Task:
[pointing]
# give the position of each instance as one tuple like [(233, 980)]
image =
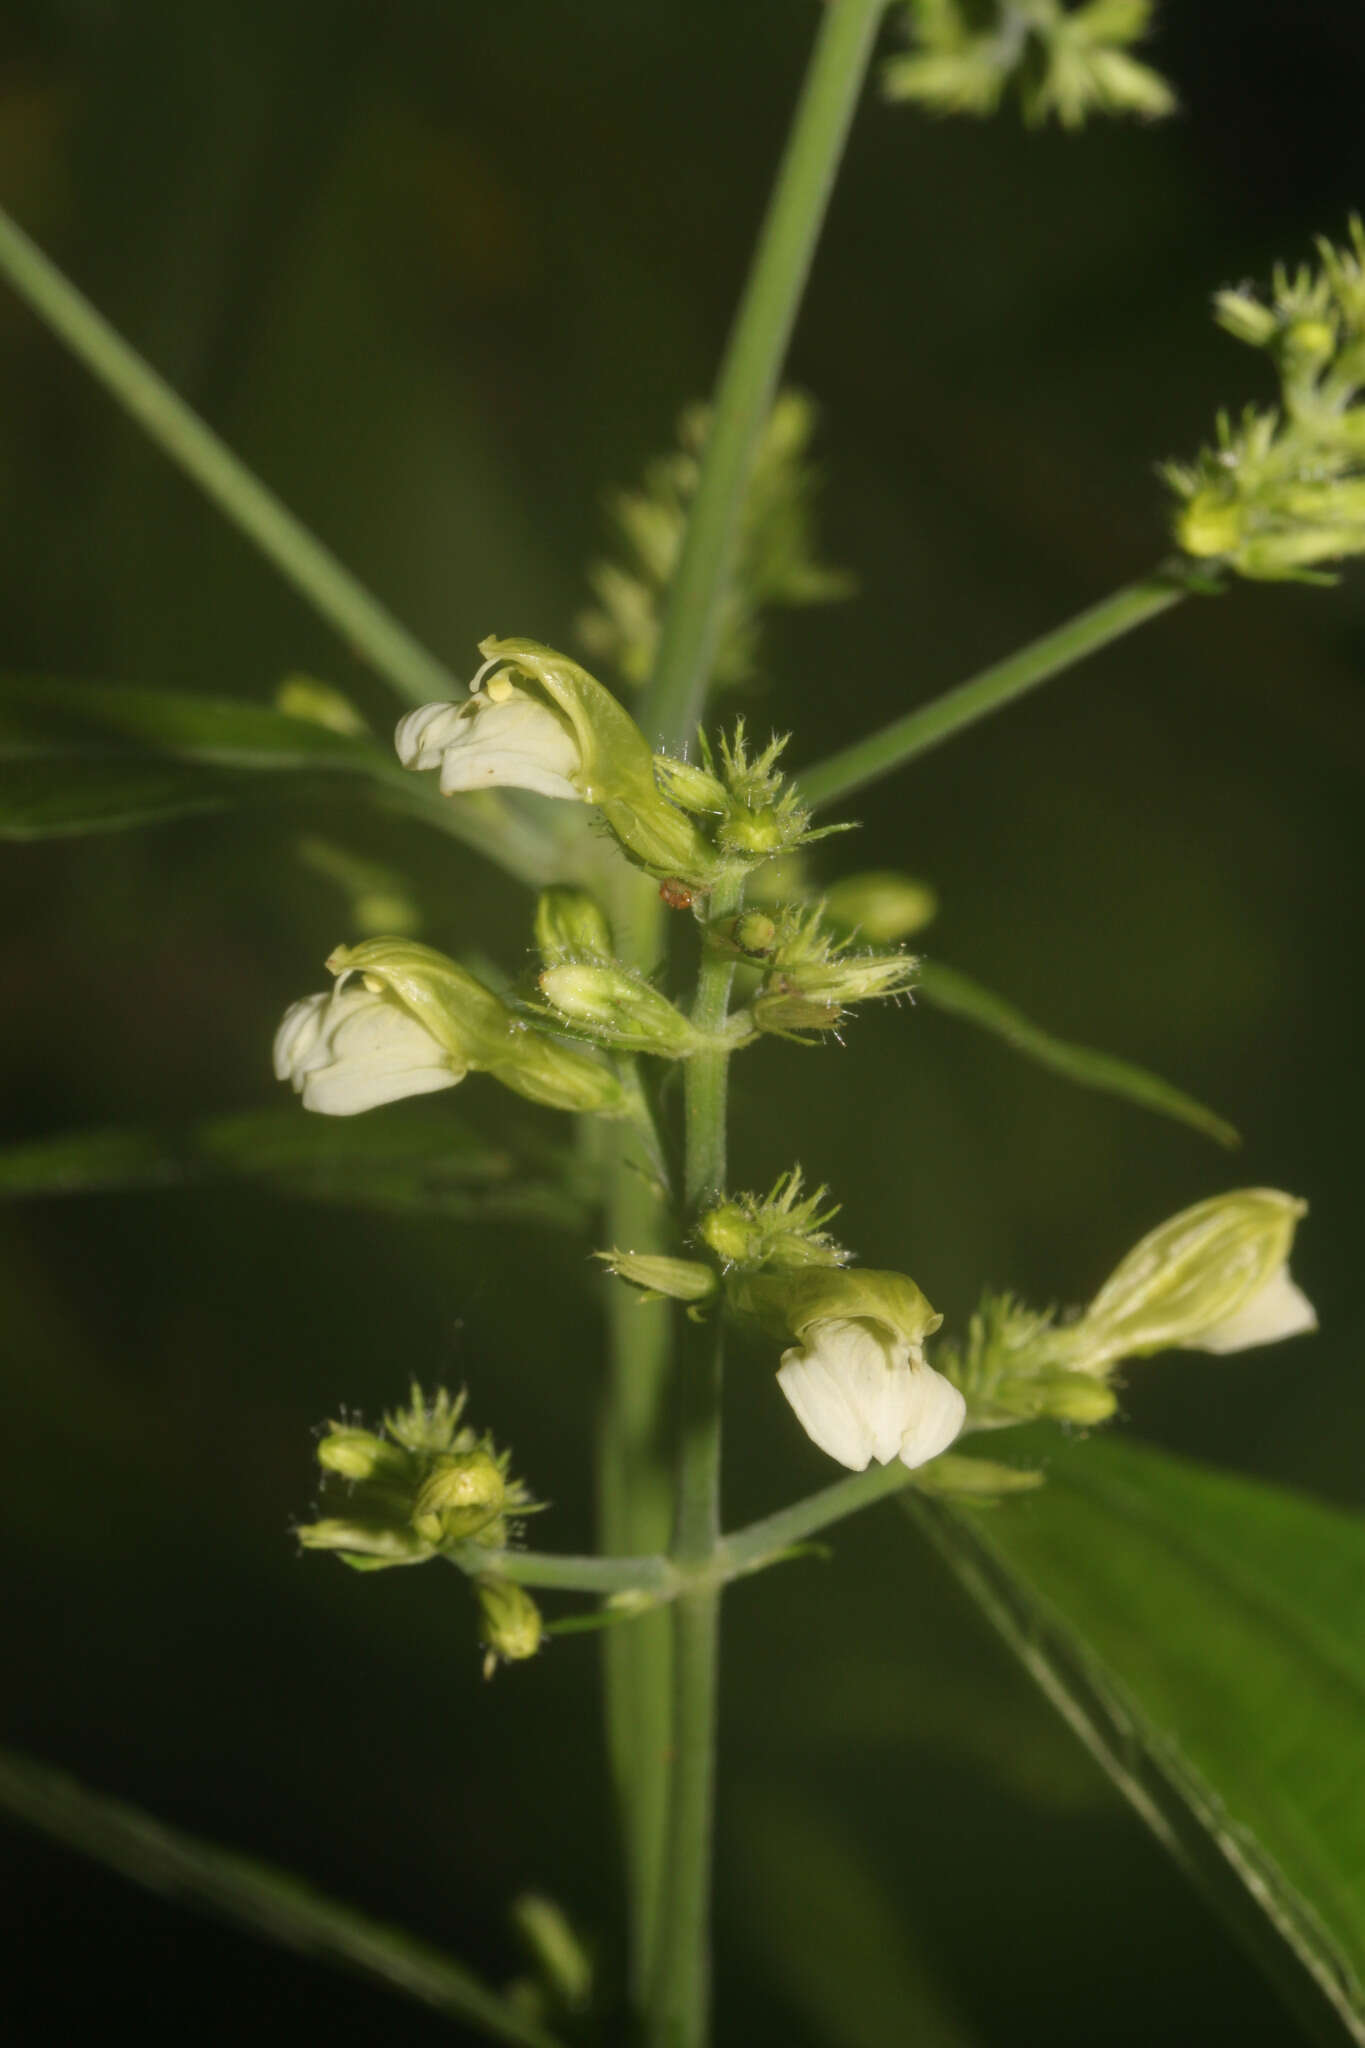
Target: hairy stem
[(681, 1997), (180, 434), (635, 1487), (905, 738), (753, 362)]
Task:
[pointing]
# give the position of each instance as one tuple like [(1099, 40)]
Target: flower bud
[(1243, 316), (354, 1048), (319, 704), (570, 925), (692, 788), (462, 1493), (620, 1008), (657, 1276), (509, 1622), (1078, 1397), (754, 833), (356, 1454), (753, 933), (364, 1545), (1210, 524), (880, 907), (981, 1480), (783, 1230), (1214, 1278)]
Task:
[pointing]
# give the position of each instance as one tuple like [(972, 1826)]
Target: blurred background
[(442, 273)]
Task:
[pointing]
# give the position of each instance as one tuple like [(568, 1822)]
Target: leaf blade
[(254, 1895), (1204, 1635), (957, 995)]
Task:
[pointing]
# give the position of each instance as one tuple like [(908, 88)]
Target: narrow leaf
[(955, 994), (1204, 1635), (271, 1903), (395, 1159), (95, 757)]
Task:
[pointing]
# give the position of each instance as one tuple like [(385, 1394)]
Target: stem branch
[(905, 738), (753, 362)]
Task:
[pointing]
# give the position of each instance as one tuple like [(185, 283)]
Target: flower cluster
[(1282, 491), (1060, 61), (810, 975), (776, 562)]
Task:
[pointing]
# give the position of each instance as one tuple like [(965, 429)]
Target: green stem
[(753, 362), (681, 1993), (653, 1575), (754, 1548), (635, 1488), (181, 434), (905, 738)]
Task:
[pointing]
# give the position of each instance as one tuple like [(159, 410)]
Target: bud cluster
[(1058, 59), (419, 1486), (776, 563), (810, 975), (1282, 491)]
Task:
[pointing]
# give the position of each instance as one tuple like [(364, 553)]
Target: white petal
[(939, 1413), (516, 744), (1279, 1309), (298, 1035), (354, 1049), (822, 1406), (421, 734)]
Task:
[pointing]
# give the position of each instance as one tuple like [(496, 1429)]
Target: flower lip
[(501, 736), (1278, 1309), (860, 1393), (351, 1049)]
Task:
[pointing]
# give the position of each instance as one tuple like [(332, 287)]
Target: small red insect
[(676, 894)]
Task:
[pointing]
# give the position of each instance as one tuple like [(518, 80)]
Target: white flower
[(499, 736), (860, 1393), (350, 1049), (1278, 1309)]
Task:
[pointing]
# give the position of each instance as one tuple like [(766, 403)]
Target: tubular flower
[(500, 735), (351, 1049), (860, 1392)]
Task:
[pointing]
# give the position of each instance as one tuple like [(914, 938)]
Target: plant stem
[(180, 434), (635, 1487), (681, 1992), (905, 738), (753, 362), (654, 1575)]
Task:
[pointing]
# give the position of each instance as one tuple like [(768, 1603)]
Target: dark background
[(442, 272)]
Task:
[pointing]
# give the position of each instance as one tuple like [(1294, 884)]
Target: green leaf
[(399, 1158), (95, 757), (1204, 1635), (955, 994), (271, 1903)]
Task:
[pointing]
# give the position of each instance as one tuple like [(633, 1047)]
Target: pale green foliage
[(776, 564), (1282, 490), (1060, 61)]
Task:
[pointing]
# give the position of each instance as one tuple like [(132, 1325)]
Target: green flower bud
[(1210, 524), (356, 1454), (692, 788), (754, 834), (368, 1546), (462, 1493), (570, 925), (783, 1229), (1077, 1397), (657, 1276), (880, 907), (622, 1009), (980, 1480), (754, 933), (477, 1028), (509, 1622), (1245, 318), (1214, 1278), (1310, 340), (786, 1013), (319, 704)]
